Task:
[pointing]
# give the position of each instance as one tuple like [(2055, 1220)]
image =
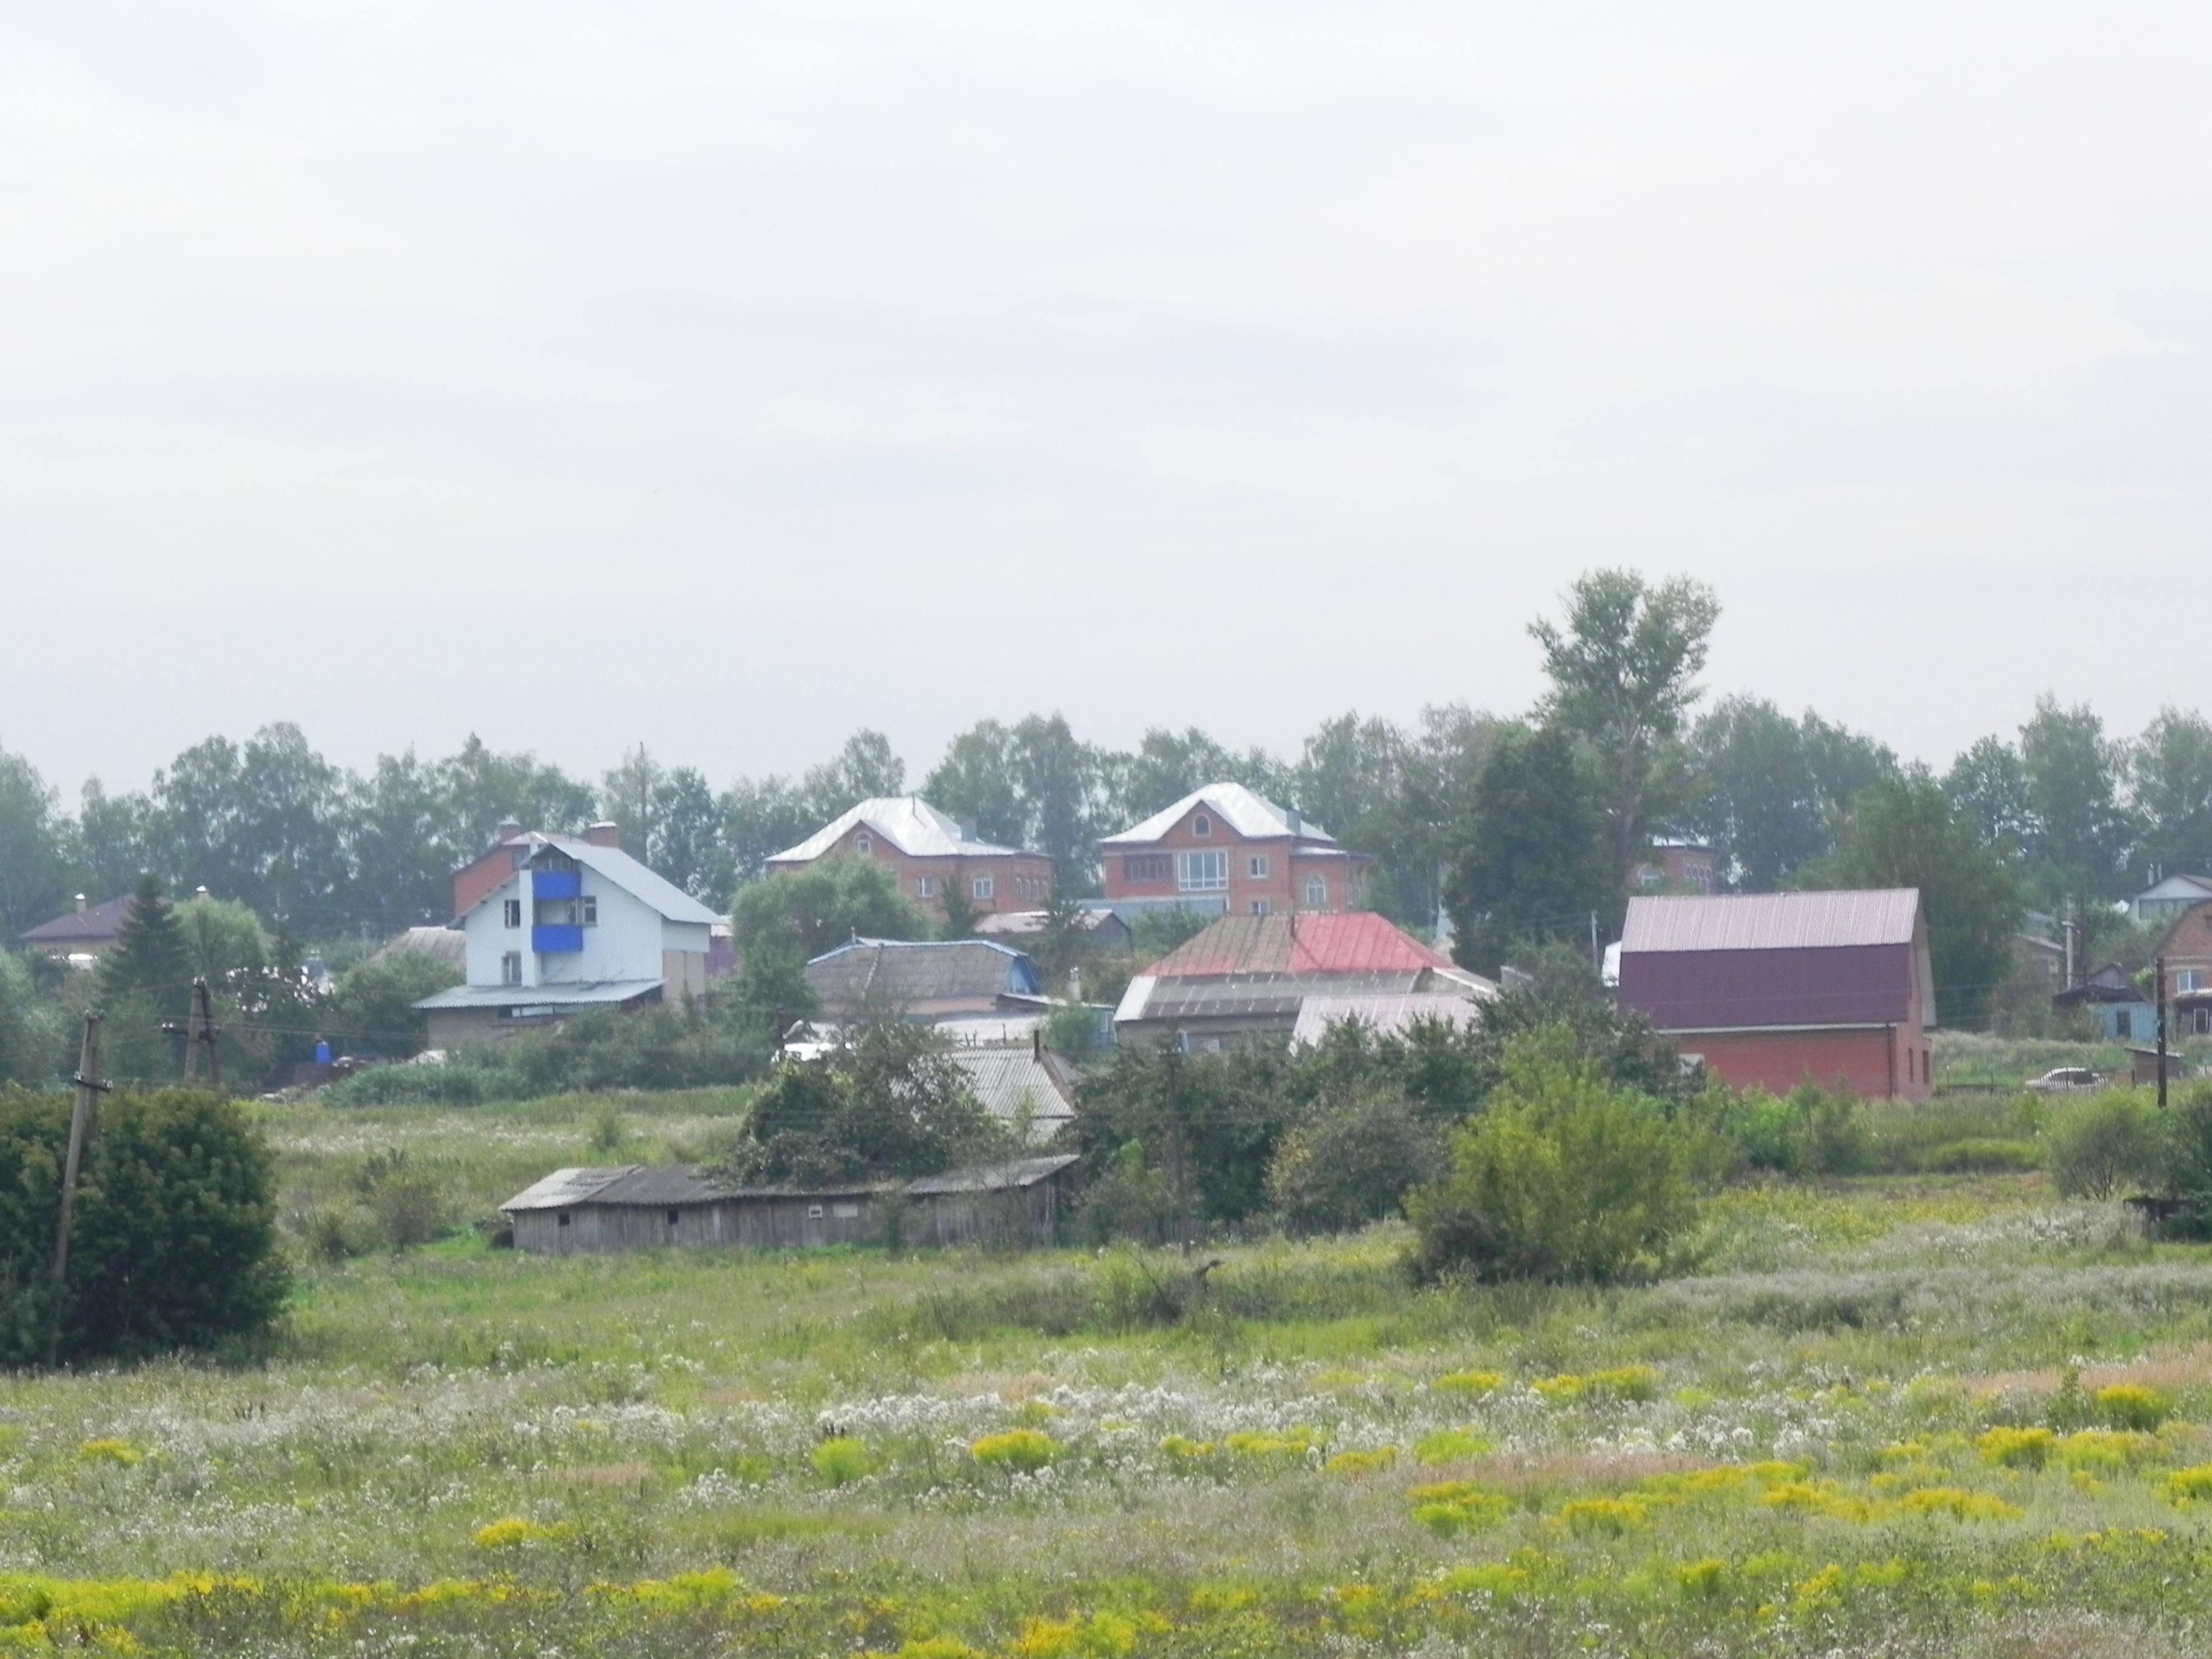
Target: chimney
[(967, 828), (508, 830), (80, 904), (606, 833), (1297, 825)]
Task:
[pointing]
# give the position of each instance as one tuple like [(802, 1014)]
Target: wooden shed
[(632, 1207), (1024, 1201)]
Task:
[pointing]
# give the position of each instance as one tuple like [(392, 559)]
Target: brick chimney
[(606, 833), (508, 830)]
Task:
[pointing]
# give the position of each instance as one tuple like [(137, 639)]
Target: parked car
[(2067, 1079)]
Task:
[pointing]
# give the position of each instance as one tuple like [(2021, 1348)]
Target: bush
[(1565, 1176), (2106, 1145), (173, 1240), (2188, 1163), (1351, 1162), (371, 1009)]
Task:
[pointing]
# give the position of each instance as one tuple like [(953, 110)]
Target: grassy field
[(1908, 1415)]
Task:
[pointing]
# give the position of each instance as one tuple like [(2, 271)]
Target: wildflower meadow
[(1926, 1414)]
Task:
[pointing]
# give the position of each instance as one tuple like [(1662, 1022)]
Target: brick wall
[(1270, 870), (1875, 1063), (1019, 881)]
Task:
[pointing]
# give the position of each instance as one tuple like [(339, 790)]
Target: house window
[(1257, 865), (1147, 867), (564, 1218), (863, 843), (590, 915), (1259, 907), (511, 912), (982, 887), (510, 968), (1316, 892), (671, 1217), (1202, 872), (925, 886), (2124, 1023), (1201, 825), (2204, 1022), (2189, 978), (814, 1213)]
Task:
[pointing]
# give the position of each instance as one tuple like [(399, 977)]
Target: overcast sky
[(731, 375)]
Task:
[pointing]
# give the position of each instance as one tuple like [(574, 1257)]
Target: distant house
[(1773, 989), (1021, 1083), (2121, 1011), (577, 925), (2169, 898), (632, 1206), (929, 854), (973, 989), (449, 945), (1252, 975), (1383, 1015), (1095, 924), (80, 935), (1678, 866), (1226, 851)]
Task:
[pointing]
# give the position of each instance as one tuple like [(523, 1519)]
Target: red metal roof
[(1352, 942), (1770, 922)]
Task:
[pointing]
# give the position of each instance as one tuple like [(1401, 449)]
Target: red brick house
[(1225, 849), (2186, 945), (928, 852), (1772, 989), (509, 851)]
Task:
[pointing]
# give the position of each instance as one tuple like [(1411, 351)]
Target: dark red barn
[(1774, 989)]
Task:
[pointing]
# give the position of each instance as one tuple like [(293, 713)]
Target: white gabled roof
[(907, 822), (657, 892), (1252, 816)]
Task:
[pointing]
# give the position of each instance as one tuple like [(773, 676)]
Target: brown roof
[(1350, 942), (1770, 922), (98, 925)]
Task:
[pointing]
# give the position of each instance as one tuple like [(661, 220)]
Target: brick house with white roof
[(1224, 848), (927, 853)]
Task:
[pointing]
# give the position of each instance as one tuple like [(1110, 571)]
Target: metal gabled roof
[(1252, 816), (907, 822), (1770, 922), (912, 973), (1314, 942), (564, 1189), (993, 1177), (612, 864), (583, 993)]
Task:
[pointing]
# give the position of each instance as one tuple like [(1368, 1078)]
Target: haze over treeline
[(2075, 811)]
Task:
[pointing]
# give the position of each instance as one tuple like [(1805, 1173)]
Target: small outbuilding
[(1774, 989)]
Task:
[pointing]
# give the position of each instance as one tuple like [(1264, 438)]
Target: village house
[(1224, 850), (81, 935), (2116, 1006), (1774, 989), (1250, 975), (2186, 949), (2171, 896), (929, 854), (1678, 866), (973, 990), (576, 924)]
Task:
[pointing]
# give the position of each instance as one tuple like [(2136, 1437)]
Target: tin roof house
[(576, 924), (81, 934), (1250, 975), (1773, 989), (928, 855), (1226, 850)]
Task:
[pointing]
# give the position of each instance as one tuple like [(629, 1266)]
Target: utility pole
[(1597, 956), (2068, 929), (1171, 1079), (89, 1089), (198, 1032), (2159, 968)]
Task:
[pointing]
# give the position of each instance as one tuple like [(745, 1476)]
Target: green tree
[(1563, 1177), (1770, 793), (2170, 780), (221, 940), (2081, 832), (34, 873), (404, 842), (1622, 671), (173, 1239), (975, 782), (687, 846), (1907, 833), (808, 912), (628, 799), (1532, 864), (28, 1039), (760, 818), (149, 956), (1230, 1111), (1351, 1161), (865, 768), (1989, 786), (371, 1010), (482, 787)]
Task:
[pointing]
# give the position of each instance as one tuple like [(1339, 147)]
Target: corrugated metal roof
[(1252, 816), (1004, 1080), (993, 1177), (565, 1188), (595, 994), (1770, 922), (96, 924), (447, 945), (907, 822), (658, 892), (1357, 941), (950, 973), (1261, 996), (1386, 1016)]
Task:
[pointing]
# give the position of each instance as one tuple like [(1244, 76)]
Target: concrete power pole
[(89, 1089)]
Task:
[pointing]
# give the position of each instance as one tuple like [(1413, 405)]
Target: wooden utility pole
[(2159, 968), (204, 1010), (88, 1088)]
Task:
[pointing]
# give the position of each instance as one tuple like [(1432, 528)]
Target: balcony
[(555, 884), (551, 939)]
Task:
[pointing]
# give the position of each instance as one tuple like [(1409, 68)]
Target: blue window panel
[(556, 884), (550, 937)]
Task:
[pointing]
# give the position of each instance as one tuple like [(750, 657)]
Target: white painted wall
[(626, 942)]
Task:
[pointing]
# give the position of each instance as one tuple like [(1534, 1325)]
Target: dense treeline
[(1522, 827)]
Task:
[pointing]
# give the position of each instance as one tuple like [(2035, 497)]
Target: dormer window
[(1201, 825), (863, 843)]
